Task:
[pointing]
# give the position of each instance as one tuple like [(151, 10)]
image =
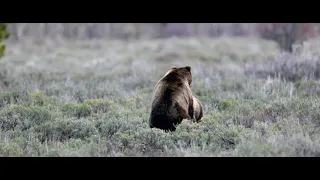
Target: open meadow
[(92, 98)]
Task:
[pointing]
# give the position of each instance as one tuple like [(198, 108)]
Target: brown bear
[(198, 109), (172, 99)]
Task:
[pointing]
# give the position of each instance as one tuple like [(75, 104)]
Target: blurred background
[(285, 34)]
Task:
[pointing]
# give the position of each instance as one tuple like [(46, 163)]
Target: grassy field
[(93, 98)]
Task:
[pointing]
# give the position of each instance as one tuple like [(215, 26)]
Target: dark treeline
[(285, 34), (125, 30)]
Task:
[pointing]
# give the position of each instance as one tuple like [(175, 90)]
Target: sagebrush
[(92, 98)]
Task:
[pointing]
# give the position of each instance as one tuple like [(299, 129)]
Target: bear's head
[(182, 72)]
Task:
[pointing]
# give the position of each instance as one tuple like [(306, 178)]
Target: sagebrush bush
[(300, 65), (65, 129), (9, 98), (10, 149), (23, 117)]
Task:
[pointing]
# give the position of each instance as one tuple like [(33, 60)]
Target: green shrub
[(97, 105), (37, 98), (64, 129), (225, 104), (307, 87), (10, 149), (9, 98), (4, 34), (77, 110), (23, 117)]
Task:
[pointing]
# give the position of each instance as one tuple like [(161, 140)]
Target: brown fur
[(172, 99), (198, 109)]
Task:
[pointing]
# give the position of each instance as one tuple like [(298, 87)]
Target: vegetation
[(4, 34), (92, 98), (287, 34)]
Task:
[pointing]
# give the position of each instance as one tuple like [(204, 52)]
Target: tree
[(4, 34), (287, 34)]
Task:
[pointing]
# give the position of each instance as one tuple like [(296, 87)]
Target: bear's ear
[(188, 68), (173, 67)]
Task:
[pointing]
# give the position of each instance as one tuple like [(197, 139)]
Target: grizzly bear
[(172, 99), (198, 109)]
